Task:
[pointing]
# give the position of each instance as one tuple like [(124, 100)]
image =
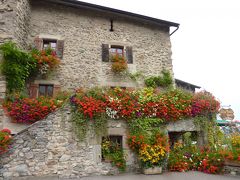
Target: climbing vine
[(17, 66)]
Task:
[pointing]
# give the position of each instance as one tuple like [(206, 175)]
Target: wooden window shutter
[(56, 90), (129, 55), (60, 47), (38, 43), (33, 90), (105, 52)]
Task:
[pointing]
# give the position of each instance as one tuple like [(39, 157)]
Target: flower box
[(154, 170), (232, 163)]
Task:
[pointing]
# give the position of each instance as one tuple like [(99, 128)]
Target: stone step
[(2, 78)]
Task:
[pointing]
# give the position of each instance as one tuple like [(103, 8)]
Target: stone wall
[(7, 14), (23, 16), (50, 147), (14, 18), (84, 32)]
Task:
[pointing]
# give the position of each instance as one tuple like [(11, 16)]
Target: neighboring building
[(185, 85)]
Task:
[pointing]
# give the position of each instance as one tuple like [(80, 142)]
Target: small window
[(117, 51), (49, 44), (112, 50), (45, 90), (114, 141)]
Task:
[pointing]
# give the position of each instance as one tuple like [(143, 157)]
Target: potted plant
[(119, 64), (47, 61), (152, 151)]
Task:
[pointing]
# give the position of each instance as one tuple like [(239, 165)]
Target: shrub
[(204, 103)]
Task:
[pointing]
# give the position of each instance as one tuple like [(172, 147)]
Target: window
[(117, 51), (109, 50), (44, 43), (114, 141), (45, 90), (49, 44)]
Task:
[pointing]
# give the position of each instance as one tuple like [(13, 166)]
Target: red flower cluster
[(26, 110), (90, 106), (204, 103), (206, 167), (5, 139), (181, 166), (170, 106), (191, 158), (125, 103), (174, 105), (136, 142), (46, 57)]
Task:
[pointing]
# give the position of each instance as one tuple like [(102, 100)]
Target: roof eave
[(79, 4)]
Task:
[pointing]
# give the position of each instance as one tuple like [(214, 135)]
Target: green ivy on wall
[(17, 66)]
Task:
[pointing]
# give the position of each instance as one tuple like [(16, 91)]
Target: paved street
[(164, 176)]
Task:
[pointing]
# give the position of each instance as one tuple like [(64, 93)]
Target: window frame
[(46, 94), (113, 138), (127, 52), (116, 48), (49, 44)]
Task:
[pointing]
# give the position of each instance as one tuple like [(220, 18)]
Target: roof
[(180, 82), (80, 4)]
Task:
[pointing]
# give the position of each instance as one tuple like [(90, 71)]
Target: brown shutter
[(38, 43), (33, 90), (56, 90), (129, 54), (60, 47), (105, 52)]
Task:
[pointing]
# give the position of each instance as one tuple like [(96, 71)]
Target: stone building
[(84, 36)]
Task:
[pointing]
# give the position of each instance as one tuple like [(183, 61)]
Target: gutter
[(175, 30)]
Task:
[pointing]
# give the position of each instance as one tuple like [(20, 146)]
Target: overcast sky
[(206, 48)]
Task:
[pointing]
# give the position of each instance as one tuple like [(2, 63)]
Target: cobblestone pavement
[(164, 176)]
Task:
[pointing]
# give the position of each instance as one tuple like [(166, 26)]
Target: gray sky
[(206, 48)]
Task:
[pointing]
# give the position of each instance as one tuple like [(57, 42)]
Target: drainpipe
[(175, 30)]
